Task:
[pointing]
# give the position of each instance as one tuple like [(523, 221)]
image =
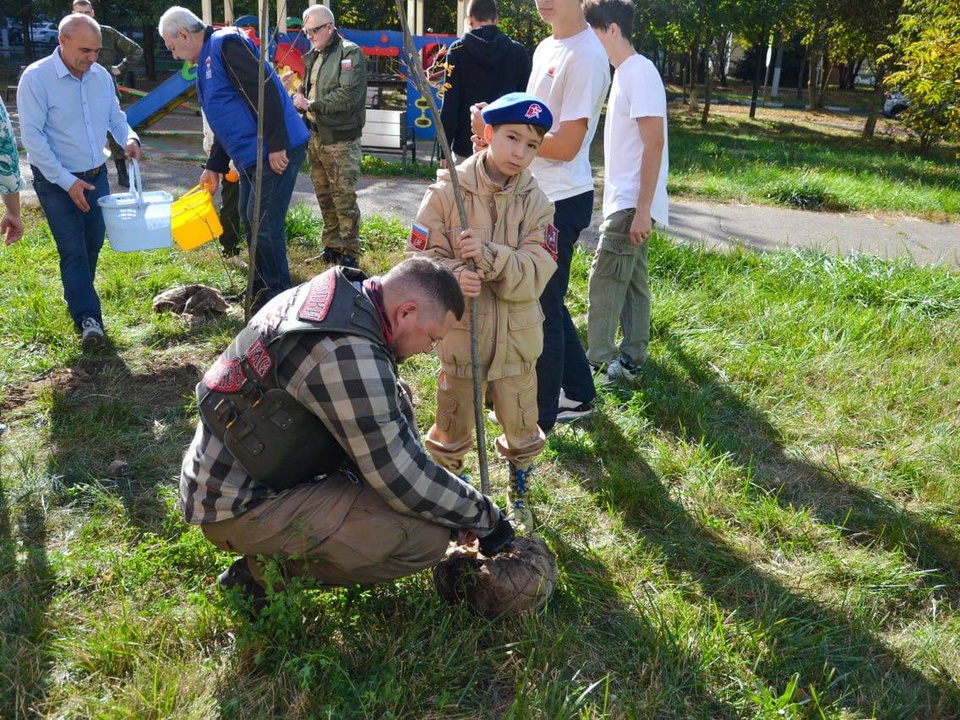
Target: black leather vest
[(273, 436)]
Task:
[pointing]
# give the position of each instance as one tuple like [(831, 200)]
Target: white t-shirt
[(571, 76), (637, 92)]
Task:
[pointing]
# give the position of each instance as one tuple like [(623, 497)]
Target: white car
[(44, 32), (893, 104)]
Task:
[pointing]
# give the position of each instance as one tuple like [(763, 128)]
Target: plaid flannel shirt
[(351, 385)]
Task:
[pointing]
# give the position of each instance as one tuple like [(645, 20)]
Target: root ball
[(515, 581)]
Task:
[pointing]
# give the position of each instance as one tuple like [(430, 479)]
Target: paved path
[(173, 163)]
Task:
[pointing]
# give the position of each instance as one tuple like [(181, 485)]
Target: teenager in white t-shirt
[(634, 195)]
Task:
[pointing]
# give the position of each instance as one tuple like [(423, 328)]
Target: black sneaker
[(348, 261), (572, 410), (237, 578)]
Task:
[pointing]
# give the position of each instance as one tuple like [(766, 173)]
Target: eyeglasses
[(310, 32)]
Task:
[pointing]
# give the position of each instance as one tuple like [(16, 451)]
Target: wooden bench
[(386, 132)]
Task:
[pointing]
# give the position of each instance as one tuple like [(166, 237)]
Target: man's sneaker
[(91, 334), (521, 518), (571, 410), (239, 579), (623, 369), (349, 261), (600, 375)]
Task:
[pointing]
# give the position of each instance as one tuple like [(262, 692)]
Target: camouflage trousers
[(334, 169)]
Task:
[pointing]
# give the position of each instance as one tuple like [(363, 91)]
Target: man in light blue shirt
[(67, 104)]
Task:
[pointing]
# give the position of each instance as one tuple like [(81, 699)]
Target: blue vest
[(231, 116)]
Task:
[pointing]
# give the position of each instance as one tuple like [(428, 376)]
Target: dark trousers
[(563, 363), (232, 236), (79, 237), (272, 275)]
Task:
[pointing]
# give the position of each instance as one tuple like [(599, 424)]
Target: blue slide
[(163, 99)]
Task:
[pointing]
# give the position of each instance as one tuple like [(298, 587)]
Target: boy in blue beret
[(504, 258)]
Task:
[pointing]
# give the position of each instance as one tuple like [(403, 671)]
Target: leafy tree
[(859, 36), (926, 53)]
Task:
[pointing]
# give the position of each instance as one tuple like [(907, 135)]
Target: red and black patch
[(551, 240), (319, 297), (227, 376)]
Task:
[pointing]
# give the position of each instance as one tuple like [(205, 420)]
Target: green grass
[(765, 527), (810, 162)]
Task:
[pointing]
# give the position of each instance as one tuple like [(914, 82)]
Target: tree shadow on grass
[(119, 431), (699, 407), (652, 670), (26, 590), (848, 666)]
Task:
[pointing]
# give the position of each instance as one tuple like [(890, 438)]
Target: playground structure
[(286, 48)]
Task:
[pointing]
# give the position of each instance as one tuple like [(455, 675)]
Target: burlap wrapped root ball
[(514, 581), (193, 303)]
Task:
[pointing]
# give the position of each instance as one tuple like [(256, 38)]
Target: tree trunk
[(802, 74), (149, 59), (757, 79), (813, 83), (708, 89), (826, 70), (693, 101), (871, 124)]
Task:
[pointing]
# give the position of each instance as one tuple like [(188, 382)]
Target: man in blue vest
[(227, 88)]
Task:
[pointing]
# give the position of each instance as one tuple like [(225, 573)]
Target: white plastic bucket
[(137, 220)]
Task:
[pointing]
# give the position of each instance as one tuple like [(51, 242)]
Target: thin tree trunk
[(757, 79)]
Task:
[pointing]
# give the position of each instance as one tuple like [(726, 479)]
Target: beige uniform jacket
[(519, 258)]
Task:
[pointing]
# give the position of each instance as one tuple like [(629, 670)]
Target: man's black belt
[(89, 173)]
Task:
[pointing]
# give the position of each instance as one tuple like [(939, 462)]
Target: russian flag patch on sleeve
[(419, 236), (346, 64), (551, 239)]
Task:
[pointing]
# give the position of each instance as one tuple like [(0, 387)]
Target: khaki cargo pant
[(515, 403), (335, 169), (338, 531)]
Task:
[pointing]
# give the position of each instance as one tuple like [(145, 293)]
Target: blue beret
[(518, 108)]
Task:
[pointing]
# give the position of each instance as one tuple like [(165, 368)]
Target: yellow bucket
[(193, 219)]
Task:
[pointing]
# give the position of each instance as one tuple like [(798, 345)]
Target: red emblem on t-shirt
[(551, 239)]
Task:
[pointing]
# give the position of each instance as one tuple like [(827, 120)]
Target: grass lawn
[(807, 160), (765, 526)]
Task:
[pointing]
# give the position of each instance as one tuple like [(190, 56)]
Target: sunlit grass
[(764, 526)]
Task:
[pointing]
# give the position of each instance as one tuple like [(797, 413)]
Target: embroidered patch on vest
[(319, 298), (258, 358), (419, 236), (551, 239), (346, 64), (227, 376)]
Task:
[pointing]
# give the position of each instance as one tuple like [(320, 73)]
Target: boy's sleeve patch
[(551, 239), (418, 236)]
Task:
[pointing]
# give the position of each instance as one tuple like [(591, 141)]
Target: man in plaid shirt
[(386, 510)]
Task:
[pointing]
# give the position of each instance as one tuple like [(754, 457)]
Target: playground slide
[(163, 99)]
